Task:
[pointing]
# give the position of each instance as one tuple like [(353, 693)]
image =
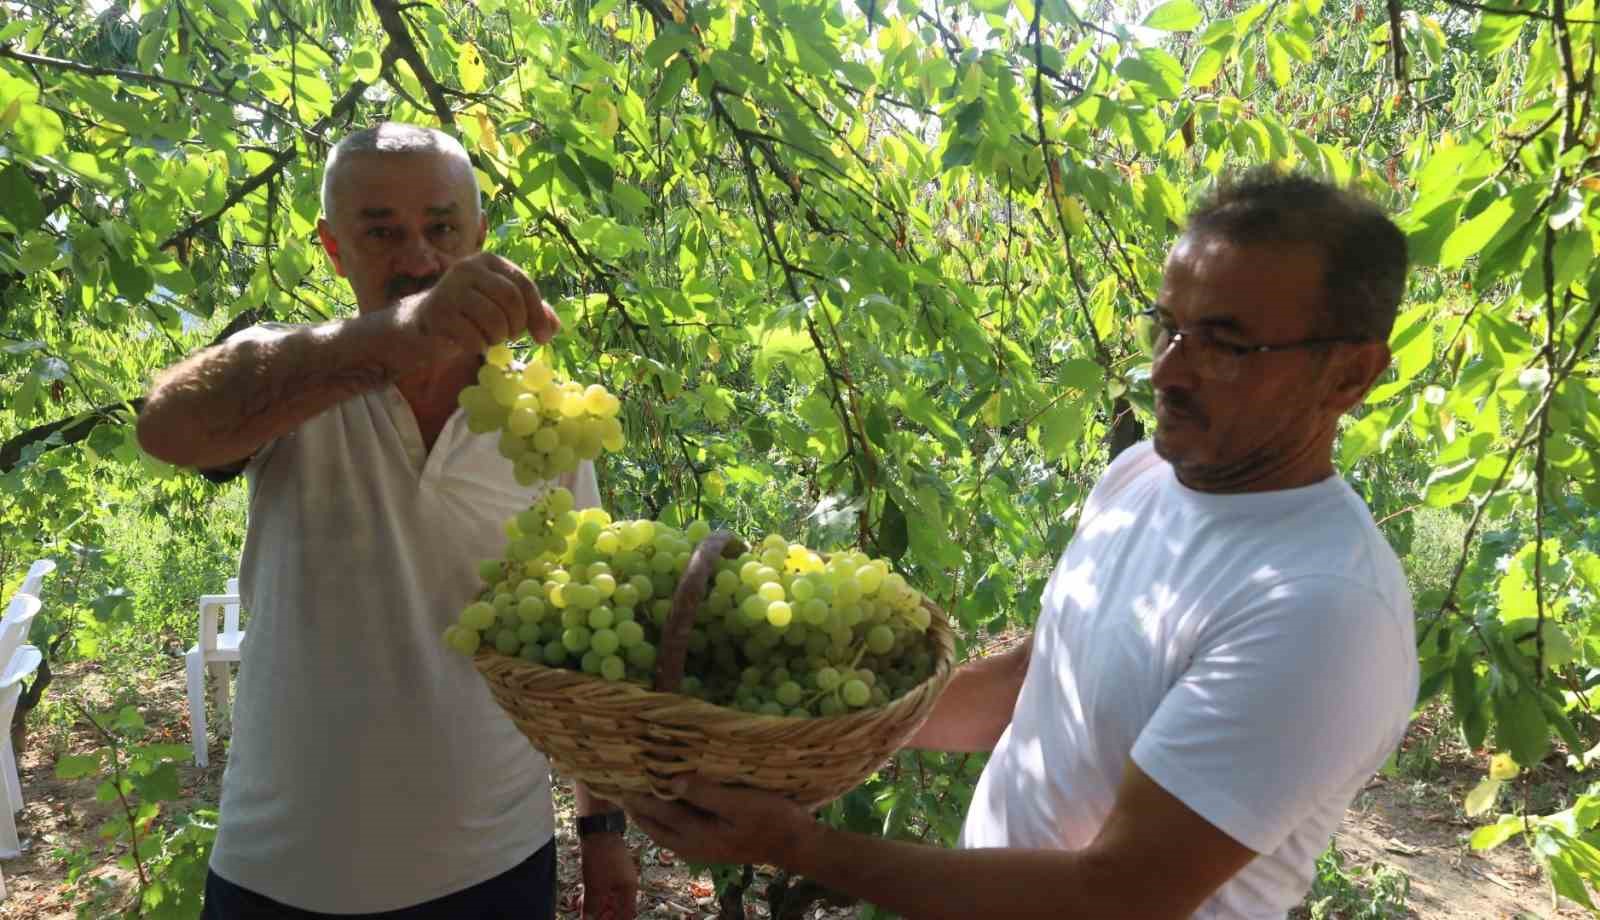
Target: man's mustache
[(404, 285)]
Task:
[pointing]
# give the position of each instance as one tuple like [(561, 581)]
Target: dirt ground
[(1411, 819)]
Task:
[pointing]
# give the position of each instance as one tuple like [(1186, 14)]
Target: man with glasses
[(1224, 654)]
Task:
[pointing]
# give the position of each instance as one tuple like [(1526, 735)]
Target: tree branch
[(394, 25)]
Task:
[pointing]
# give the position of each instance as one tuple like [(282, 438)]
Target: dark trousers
[(526, 892)]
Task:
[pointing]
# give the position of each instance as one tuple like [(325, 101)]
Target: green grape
[(602, 617), (754, 608), (572, 616), (698, 530), (530, 609), (629, 634), (855, 693), (591, 662), (462, 639), (771, 591), (789, 693), (827, 679), (506, 642), (555, 652), (880, 639), (778, 613), (770, 709), (643, 586), (498, 356), (612, 668), (604, 641), (643, 657), (527, 632), (830, 706), (491, 570), (576, 638), (478, 616)]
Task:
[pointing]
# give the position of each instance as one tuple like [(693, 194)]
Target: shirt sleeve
[(1288, 704), (584, 486)]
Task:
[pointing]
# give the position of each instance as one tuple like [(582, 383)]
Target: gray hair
[(392, 137)]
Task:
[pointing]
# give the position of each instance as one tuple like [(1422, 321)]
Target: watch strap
[(610, 822)]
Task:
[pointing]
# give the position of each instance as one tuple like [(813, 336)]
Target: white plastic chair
[(216, 651), (32, 581), (14, 626), (23, 663)]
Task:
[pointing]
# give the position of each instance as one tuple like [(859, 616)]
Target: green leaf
[(1519, 725), (1482, 797), (673, 38), (19, 200), (365, 64), (1470, 238), (1492, 835), (1174, 16), (1207, 65), (1155, 69), (1278, 63), (77, 766)]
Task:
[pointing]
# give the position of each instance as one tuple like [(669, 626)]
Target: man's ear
[(483, 229), (330, 245), (1356, 374)]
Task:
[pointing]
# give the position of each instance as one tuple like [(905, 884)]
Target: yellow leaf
[(470, 68), (1482, 797), (487, 139), (1502, 767)]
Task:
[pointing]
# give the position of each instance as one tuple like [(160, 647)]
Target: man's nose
[(1173, 365), (419, 258)]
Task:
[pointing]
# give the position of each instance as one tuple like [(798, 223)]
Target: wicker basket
[(622, 739)]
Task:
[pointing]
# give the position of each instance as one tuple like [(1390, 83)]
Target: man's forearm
[(223, 404), (925, 883), (976, 707), (587, 803)]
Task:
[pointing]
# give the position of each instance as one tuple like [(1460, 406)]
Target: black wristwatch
[(610, 822)]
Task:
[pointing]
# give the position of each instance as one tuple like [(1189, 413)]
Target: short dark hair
[(1364, 253)]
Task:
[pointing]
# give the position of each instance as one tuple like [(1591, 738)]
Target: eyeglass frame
[(1152, 314)]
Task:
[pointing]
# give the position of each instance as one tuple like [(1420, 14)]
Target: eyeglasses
[(1211, 358)]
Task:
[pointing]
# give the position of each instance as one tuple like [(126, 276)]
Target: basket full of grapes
[(630, 652)]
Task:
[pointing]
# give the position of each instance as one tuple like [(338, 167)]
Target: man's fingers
[(540, 320)]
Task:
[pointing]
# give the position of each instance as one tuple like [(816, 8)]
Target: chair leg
[(196, 676), (8, 762), (10, 846), (219, 690)]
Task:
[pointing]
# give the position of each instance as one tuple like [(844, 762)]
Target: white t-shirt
[(1253, 653), (370, 768)]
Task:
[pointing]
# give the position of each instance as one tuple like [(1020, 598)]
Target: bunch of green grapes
[(782, 631), (547, 424)]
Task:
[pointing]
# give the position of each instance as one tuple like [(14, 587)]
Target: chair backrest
[(14, 626), (35, 577), (230, 611), (210, 605)]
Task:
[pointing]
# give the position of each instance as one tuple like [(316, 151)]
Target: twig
[(116, 782), (1398, 46), (394, 25)]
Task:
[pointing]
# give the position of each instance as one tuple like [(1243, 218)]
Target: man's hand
[(610, 878), (480, 301), (713, 823)]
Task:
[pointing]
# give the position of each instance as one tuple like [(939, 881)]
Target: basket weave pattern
[(622, 739)]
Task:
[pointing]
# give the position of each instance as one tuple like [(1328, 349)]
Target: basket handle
[(686, 601)]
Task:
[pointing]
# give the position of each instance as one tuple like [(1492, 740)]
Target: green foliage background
[(862, 272)]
